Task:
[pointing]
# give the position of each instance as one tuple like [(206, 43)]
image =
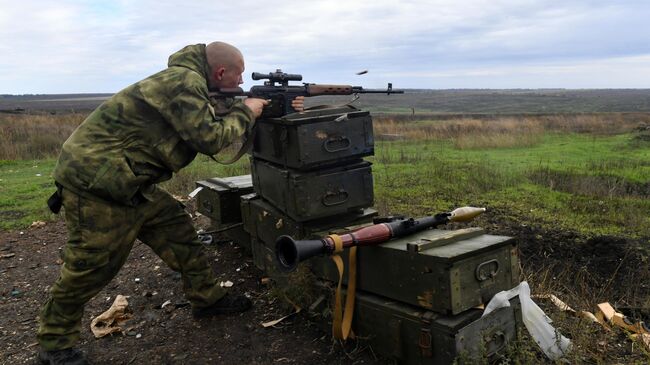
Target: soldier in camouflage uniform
[(107, 174)]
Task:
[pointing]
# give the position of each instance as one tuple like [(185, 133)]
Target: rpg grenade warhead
[(465, 214)]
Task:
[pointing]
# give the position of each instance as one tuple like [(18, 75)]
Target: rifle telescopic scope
[(277, 76)]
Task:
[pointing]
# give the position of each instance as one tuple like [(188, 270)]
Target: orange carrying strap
[(342, 321)]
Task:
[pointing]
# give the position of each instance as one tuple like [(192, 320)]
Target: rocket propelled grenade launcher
[(280, 93), (290, 252)]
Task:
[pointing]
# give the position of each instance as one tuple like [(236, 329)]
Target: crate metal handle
[(482, 275), (207, 205), (336, 140), (499, 339), (331, 199)]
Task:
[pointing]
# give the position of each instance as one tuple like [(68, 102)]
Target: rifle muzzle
[(290, 252)]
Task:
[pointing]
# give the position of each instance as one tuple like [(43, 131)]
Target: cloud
[(612, 72), (99, 46)]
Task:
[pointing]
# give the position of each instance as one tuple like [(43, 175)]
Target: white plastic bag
[(538, 324)]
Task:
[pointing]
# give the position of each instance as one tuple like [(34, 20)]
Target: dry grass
[(593, 344), (600, 186), (501, 132), (35, 136), (41, 136)]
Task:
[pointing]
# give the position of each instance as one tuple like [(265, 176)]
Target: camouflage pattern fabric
[(148, 131), (101, 235), (109, 168)]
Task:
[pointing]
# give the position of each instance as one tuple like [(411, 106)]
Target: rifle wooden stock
[(319, 89)]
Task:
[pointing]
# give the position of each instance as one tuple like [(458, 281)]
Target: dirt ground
[(170, 335), (30, 263)]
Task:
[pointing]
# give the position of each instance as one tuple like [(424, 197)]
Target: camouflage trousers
[(101, 236)]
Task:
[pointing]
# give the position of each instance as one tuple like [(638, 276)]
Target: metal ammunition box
[(266, 223), (315, 138), (219, 198), (411, 335), (305, 196), (458, 271), (220, 201)]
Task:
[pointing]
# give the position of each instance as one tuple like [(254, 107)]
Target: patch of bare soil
[(30, 263), (594, 269)]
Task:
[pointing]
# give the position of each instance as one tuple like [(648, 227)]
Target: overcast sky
[(70, 46)]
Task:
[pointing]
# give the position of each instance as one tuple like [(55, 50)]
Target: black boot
[(69, 356), (228, 304)]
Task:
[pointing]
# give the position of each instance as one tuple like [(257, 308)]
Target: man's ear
[(218, 73)]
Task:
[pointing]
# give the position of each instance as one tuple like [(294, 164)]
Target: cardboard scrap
[(276, 321), (605, 312), (645, 339), (556, 301), (111, 320), (621, 321), (296, 308), (590, 316), (565, 307)]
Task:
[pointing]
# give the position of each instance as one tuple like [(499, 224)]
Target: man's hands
[(256, 105), (298, 103)]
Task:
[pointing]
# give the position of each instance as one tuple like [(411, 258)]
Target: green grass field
[(594, 184), (24, 189)]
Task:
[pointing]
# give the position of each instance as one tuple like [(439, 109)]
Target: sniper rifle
[(280, 94)]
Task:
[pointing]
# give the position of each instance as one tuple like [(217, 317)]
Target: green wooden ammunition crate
[(414, 336), (263, 257), (220, 201), (315, 138), (219, 198), (266, 223), (460, 273), (306, 196), (245, 208)]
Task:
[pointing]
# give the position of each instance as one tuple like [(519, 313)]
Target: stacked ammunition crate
[(416, 295), (309, 176)]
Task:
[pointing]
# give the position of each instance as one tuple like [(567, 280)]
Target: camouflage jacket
[(148, 131)]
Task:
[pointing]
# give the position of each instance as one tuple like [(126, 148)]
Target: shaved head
[(221, 54), (226, 65)]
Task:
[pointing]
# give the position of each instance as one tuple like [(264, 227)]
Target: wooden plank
[(453, 236)]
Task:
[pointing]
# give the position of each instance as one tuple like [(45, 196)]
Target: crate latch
[(425, 340)]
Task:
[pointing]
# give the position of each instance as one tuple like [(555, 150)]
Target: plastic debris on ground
[(538, 324)]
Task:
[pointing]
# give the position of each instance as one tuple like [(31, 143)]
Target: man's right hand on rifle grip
[(256, 105)]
